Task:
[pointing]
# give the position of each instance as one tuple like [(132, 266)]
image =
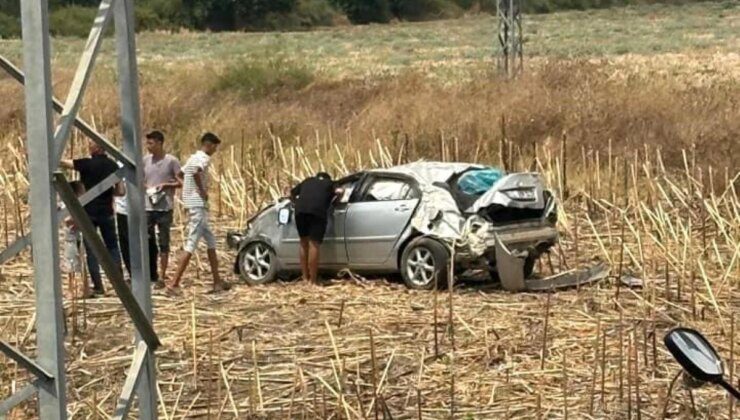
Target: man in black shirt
[(312, 199), (92, 171)]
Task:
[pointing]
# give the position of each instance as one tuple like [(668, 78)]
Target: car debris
[(631, 281)]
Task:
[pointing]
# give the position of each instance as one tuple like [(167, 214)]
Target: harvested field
[(291, 350), (629, 114)]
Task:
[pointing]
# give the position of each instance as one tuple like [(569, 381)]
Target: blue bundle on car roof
[(479, 181)]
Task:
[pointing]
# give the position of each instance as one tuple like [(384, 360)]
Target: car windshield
[(477, 181)]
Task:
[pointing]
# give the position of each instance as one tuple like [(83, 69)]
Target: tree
[(365, 11)]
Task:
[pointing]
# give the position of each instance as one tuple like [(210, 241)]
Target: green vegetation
[(10, 26), (459, 49), (257, 79), (71, 17)]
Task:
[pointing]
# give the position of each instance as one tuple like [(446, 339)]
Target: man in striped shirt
[(195, 199)]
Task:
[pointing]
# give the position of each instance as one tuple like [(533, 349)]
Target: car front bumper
[(234, 239)]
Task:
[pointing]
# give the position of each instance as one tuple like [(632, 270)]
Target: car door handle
[(402, 208)]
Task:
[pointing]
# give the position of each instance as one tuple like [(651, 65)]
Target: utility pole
[(509, 17)]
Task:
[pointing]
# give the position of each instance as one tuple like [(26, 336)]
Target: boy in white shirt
[(195, 199)]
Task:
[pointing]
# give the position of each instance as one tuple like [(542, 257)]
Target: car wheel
[(421, 260), (257, 264)]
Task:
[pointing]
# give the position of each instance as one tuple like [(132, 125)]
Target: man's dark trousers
[(106, 224), (122, 221)]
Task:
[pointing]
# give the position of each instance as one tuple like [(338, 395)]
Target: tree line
[(74, 17)]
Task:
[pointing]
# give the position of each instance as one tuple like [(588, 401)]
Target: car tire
[(434, 257), (257, 264)]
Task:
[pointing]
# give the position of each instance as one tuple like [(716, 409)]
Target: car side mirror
[(284, 216), (697, 357), (695, 354)]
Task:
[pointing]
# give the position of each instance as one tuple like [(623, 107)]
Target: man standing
[(160, 176), (92, 171), (195, 199), (312, 199)]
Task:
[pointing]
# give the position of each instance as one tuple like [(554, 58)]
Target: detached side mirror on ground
[(697, 357)]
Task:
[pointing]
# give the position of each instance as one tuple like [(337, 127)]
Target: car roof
[(429, 172)]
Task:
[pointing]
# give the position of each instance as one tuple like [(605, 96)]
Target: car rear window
[(477, 181)]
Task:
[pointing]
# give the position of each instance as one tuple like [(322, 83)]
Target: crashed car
[(413, 219)]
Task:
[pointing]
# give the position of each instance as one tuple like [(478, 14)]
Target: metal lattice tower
[(46, 144), (509, 14)]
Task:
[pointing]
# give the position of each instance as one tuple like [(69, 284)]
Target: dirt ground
[(294, 350)]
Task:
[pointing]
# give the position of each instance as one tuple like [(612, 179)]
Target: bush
[(316, 13), (170, 12), (254, 80), (466, 4), (10, 27), (77, 21), (308, 14), (10, 8), (365, 11), (147, 19), (72, 21), (417, 10)]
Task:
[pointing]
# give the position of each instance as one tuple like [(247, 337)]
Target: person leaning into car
[(312, 199)]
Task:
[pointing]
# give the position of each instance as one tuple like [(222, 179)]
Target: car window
[(389, 190), (347, 188)]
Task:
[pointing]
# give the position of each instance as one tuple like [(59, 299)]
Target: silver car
[(412, 219)]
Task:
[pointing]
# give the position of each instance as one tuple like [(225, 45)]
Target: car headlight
[(233, 239), (522, 194)]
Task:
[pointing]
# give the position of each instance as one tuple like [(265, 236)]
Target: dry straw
[(365, 348)]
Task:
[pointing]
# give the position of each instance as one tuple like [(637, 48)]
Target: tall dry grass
[(646, 171), (586, 100), (561, 108)]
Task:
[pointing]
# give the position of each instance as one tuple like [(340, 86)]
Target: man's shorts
[(310, 226), (198, 227), (162, 220)]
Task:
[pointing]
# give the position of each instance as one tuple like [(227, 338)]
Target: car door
[(333, 251), (376, 217)]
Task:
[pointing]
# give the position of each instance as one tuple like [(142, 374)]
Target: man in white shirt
[(194, 177)]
